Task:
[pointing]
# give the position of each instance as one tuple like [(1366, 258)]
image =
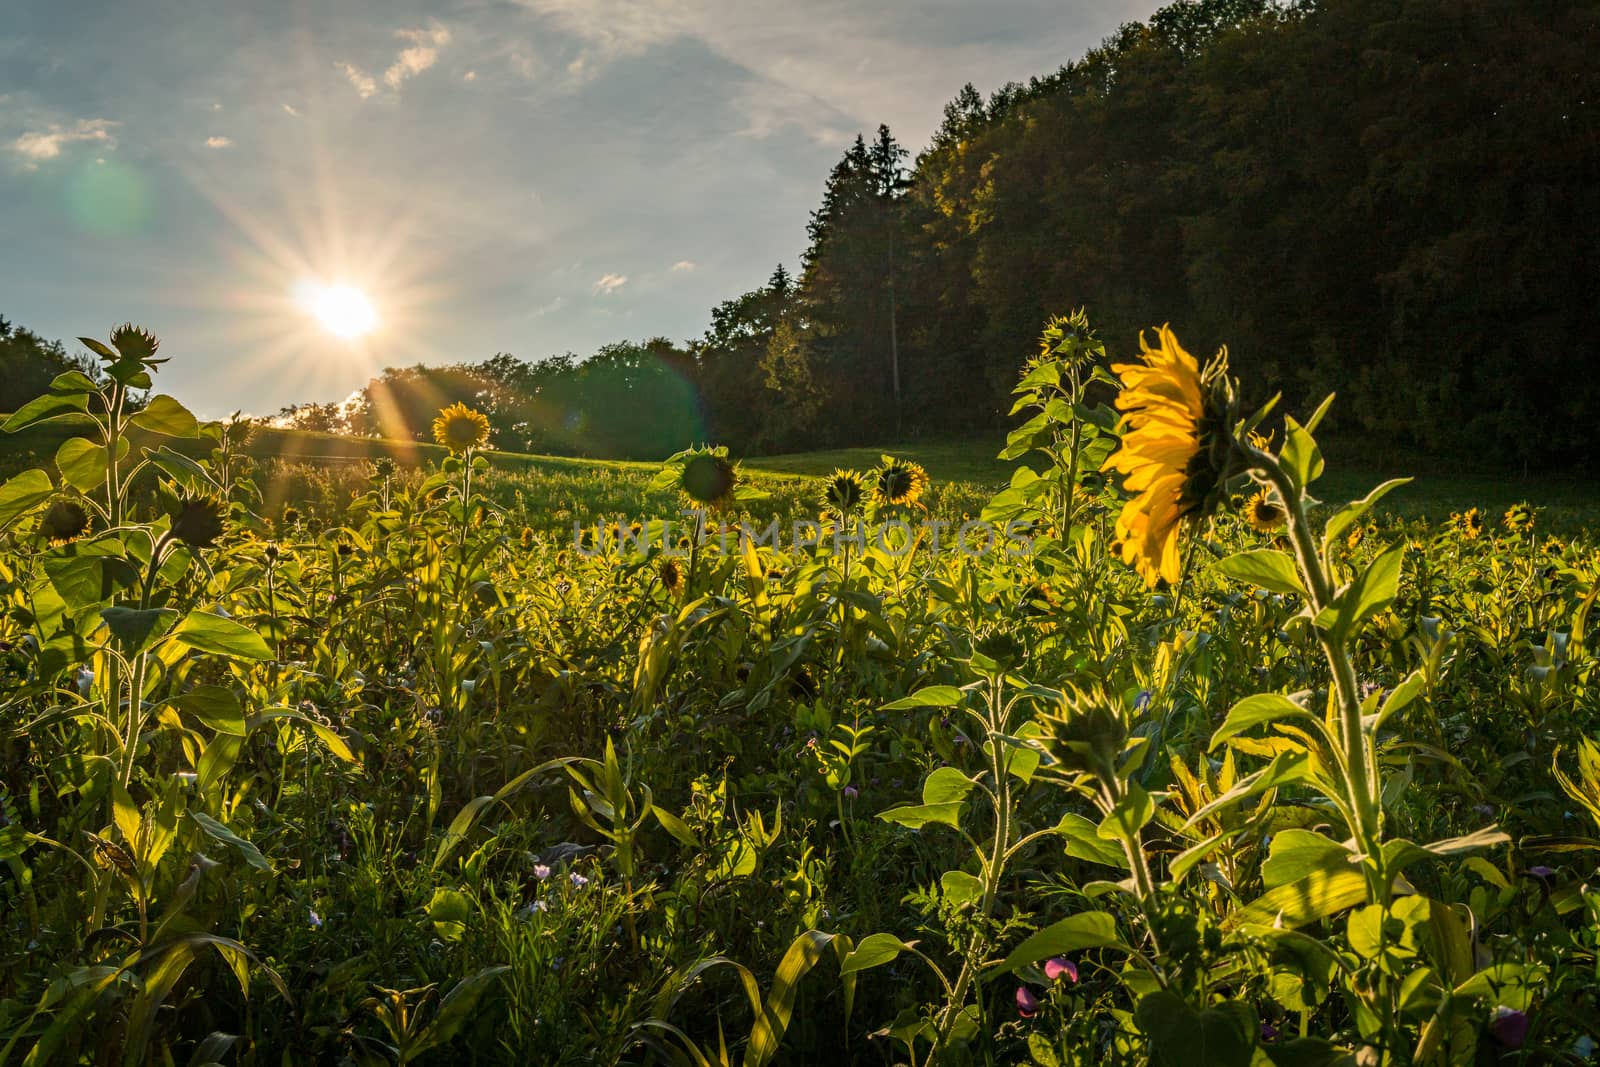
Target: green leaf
[(1372, 932), (165, 416), (1296, 853), (1293, 765), (217, 760), (1264, 567), (1221, 1036), (1132, 812), (456, 1008), (1254, 710), (72, 381), (45, 408), (82, 463), (89, 572), (1090, 929), (221, 833), (1352, 512), (916, 816), (1085, 843), (934, 696), (189, 475), (213, 633), (137, 629), (960, 888), (946, 785), (1300, 456), (874, 951), (1305, 900), (1370, 593), (449, 911), (675, 826), (22, 494), (214, 706), (803, 954), (1400, 697)]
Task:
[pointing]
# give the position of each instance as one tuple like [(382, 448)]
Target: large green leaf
[(45, 408), (164, 415), (1352, 512), (765, 1036), (1265, 567), (82, 463), (1296, 853), (215, 829), (137, 628), (22, 494), (874, 951), (916, 816), (1372, 591), (1090, 929), (189, 475), (206, 632), (1083, 842), (946, 785), (215, 706), (1305, 900), (934, 696), (89, 572), (1254, 710), (1181, 1036)]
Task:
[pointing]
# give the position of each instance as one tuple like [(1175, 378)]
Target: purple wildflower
[(1027, 1003), (1509, 1026)]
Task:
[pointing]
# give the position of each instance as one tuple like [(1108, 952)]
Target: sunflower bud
[(1085, 735), (197, 522)]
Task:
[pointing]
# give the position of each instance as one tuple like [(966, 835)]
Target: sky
[(526, 176)]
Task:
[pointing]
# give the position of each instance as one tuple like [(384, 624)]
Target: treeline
[(1397, 200)]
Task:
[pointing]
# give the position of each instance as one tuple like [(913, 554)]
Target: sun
[(343, 310)]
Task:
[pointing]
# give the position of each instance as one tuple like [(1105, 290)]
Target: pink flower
[(1027, 1003), (1060, 967)]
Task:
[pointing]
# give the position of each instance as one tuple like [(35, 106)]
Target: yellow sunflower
[(1519, 518), (460, 428), (671, 576), (1470, 523), (1264, 513), (1171, 412)]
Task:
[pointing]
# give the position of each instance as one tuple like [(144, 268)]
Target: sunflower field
[(1150, 757)]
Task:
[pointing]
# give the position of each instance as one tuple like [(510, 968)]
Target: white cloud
[(423, 54), (683, 266), (609, 283), (359, 79), (470, 76), (219, 142), (36, 146), (832, 67), (289, 109)]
